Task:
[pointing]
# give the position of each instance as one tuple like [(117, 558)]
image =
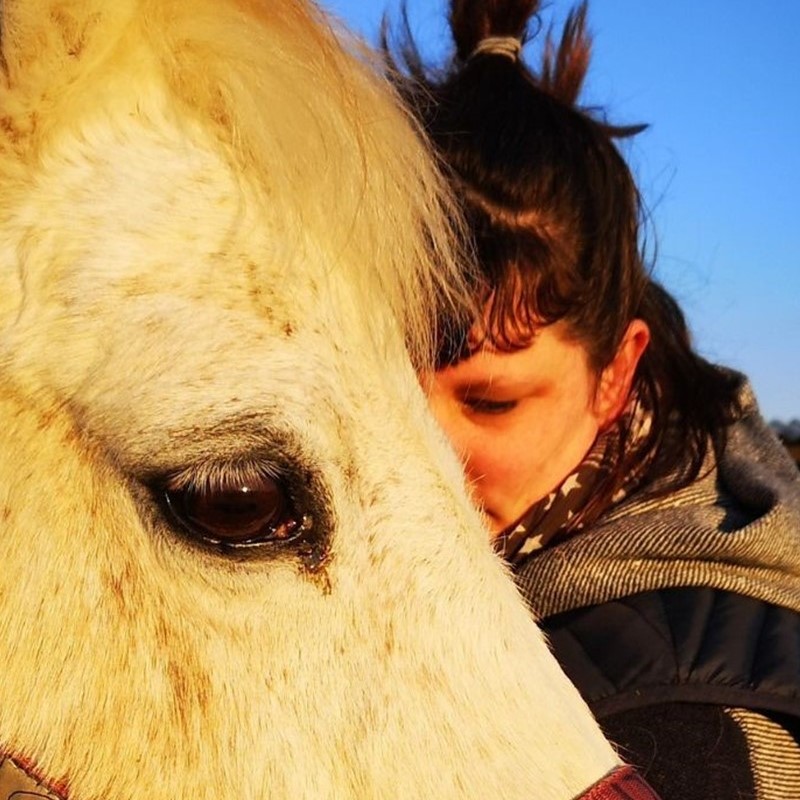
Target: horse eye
[(242, 513)]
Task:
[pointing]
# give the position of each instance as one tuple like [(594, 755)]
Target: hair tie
[(508, 46)]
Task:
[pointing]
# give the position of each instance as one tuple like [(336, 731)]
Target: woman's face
[(523, 420)]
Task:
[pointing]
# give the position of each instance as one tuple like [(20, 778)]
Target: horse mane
[(276, 87)]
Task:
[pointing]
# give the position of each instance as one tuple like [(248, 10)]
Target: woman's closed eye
[(488, 405)]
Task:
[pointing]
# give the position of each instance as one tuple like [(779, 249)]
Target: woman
[(651, 518)]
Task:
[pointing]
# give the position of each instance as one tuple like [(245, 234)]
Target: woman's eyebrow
[(499, 382)]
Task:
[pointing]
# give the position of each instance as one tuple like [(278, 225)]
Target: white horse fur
[(219, 241)]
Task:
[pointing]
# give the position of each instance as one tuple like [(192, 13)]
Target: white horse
[(238, 560)]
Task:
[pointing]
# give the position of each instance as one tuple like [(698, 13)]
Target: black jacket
[(661, 671)]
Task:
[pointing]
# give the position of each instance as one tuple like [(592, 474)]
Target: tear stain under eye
[(314, 559), (313, 550), (314, 554)]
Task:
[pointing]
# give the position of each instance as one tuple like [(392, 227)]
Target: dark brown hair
[(557, 226)]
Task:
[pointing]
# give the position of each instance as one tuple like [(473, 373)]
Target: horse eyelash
[(215, 476)]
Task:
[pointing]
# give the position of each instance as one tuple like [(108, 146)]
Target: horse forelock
[(312, 127), (327, 142)]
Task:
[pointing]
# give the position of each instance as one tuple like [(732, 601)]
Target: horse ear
[(42, 41)]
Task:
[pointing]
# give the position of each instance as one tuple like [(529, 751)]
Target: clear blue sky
[(719, 83)]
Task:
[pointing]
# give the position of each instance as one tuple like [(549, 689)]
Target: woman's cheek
[(493, 462)]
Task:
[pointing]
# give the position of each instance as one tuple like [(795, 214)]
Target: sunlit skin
[(522, 420)]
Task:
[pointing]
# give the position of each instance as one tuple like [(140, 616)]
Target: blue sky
[(719, 84)]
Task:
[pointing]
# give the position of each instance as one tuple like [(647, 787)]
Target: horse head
[(239, 559)]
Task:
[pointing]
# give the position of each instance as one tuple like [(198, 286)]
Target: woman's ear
[(616, 379)]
